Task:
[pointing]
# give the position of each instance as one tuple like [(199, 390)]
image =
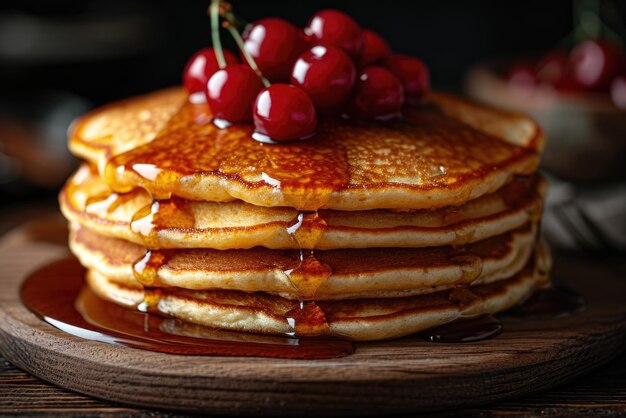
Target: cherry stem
[(214, 13), (239, 40)]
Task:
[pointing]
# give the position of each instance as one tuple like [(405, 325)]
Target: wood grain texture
[(399, 376), (601, 394)]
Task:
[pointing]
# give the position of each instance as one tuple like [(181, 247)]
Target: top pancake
[(444, 153)]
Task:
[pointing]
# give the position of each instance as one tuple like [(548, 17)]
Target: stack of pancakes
[(367, 231)]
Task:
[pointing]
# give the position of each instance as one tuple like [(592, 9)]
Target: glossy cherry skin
[(201, 66), (414, 76), (378, 94), (332, 27), (275, 44), (231, 91), (618, 91), (552, 69), (375, 49), (593, 64), (327, 74), (283, 112)]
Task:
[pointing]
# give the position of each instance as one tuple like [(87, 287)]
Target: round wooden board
[(406, 375)]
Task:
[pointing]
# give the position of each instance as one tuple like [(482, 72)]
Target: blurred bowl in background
[(586, 132)]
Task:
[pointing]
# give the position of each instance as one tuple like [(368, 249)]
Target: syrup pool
[(58, 295)]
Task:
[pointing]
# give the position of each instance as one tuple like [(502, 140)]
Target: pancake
[(359, 319), (306, 275), (87, 200), (367, 231), (445, 153)]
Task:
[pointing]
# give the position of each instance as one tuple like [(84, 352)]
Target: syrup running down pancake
[(87, 200), (323, 275), (371, 231), (357, 319)]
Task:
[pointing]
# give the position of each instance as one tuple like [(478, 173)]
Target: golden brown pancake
[(446, 153), (87, 200), (321, 275), (358, 319), (367, 231)]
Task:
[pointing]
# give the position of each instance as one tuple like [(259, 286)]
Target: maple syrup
[(190, 149), (173, 213), (192, 158), (307, 319), (57, 294), (305, 231), (303, 173), (145, 270), (105, 202)]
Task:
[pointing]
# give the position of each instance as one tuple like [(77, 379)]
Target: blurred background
[(59, 59)]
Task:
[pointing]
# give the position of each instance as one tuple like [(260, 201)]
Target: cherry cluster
[(592, 65), (332, 67)]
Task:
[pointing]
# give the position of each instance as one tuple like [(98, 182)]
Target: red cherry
[(274, 44), (552, 68), (379, 94), (283, 112), (593, 64), (375, 49), (231, 91), (522, 76), (327, 74), (332, 27), (618, 91), (201, 67), (414, 76)]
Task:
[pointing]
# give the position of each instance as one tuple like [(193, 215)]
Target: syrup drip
[(465, 330), (56, 293), (161, 214), (146, 269), (106, 203), (223, 151), (307, 229), (307, 318), (148, 221), (151, 299), (306, 277), (310, 274)]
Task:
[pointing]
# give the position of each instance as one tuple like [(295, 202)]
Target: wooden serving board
[(392, 377)]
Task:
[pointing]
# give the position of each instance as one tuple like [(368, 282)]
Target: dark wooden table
[(601, 394)]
